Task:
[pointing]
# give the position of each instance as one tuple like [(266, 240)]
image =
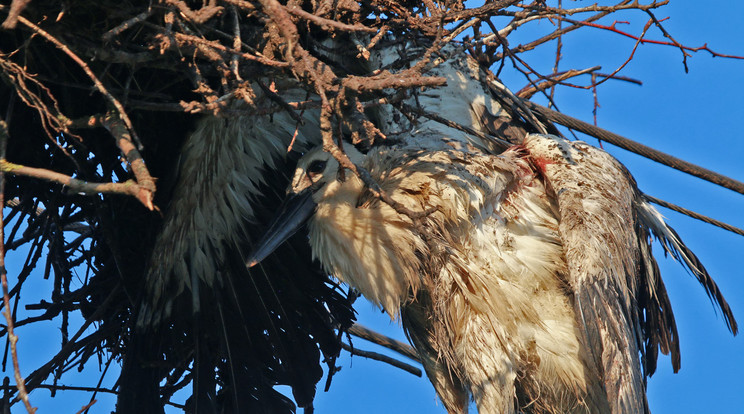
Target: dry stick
[(78, 186), (555, 34), (102, 89), (215, 45), (245, 5), (552, 80), (12, 337), (483, 11), (694, 215), (455, 125), (638, 148), (16, 7), (367, 334), (108, 36), (200, 16), (86, 407), (72, 345), (382, 358), (145, 182), (328, 24)]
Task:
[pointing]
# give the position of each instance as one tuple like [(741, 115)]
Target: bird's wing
[(596, 206), (620, 298)]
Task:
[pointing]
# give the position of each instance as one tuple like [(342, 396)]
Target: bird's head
[(318, 176)]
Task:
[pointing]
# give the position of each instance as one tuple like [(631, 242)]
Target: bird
[(525, 279), (504, 207), (196, 275)]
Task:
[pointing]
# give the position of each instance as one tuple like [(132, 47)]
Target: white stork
[(530, 287)]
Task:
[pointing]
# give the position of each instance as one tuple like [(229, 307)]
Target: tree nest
[(96, 101)]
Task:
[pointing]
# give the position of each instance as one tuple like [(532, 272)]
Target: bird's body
[(527, 285), (498, 320)]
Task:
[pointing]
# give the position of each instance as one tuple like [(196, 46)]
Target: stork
[(530, 283)]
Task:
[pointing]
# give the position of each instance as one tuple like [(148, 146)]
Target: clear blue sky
[(694, 116)]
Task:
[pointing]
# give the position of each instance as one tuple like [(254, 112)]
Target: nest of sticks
[(97, 98)]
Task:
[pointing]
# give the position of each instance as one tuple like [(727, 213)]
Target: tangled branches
[(97, 98)]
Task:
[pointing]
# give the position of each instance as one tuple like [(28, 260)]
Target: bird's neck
[(371, 249)]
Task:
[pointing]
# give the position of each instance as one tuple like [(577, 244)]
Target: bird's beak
[(293, 213)]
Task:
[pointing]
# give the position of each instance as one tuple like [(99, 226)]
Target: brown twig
[(382, 358), (245, 5), (84, 66), (328, 24), (208, 10), (385, 341), (186, 38), (553, 80), (12, 337), (86, 407), (108, 36), (79, 186), (145, 183), (16, 7)]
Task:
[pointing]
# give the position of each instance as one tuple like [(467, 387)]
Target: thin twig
[(128, 187), (12, 337), (382, 358), (102, 89), (554, 79), (328, 24), (86, 407), (382, 340), (108, 36)]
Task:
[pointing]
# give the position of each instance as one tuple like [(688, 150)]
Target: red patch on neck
[(541, 163)]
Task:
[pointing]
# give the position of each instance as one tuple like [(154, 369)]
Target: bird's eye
[(316, 167)]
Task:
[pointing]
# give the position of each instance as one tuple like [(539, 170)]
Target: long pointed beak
[(293, 213)]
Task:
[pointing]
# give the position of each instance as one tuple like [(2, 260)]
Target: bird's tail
[(674, 245)]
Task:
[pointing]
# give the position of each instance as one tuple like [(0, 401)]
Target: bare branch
[(382, 340), (115, 102), (382, 358), (12, 337), (78, 186)]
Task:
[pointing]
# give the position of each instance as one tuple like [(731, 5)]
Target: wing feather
[(596, 207), (606, 226)]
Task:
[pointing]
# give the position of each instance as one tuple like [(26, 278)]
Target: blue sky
[(694, 116)]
